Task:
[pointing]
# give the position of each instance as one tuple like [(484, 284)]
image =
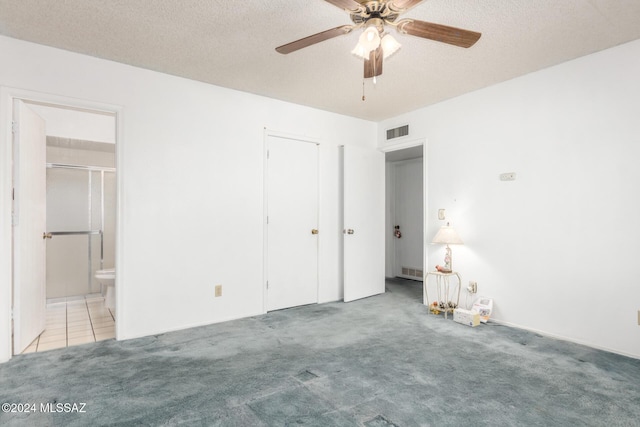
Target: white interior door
[(29, 226), (364, 205), (292, 217)]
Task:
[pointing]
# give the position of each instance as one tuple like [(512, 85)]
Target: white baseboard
[(563, 338)]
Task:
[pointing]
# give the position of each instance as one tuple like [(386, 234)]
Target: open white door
[(29, 226), (292, 222), (364, 205)]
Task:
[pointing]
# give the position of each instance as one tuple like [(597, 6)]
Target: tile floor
[(73, 321)]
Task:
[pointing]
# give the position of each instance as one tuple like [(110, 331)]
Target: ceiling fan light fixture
[(369, 39), (359, 52), (374, 44), (389, 45)]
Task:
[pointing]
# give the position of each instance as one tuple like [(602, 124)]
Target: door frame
[(425, 191), (265, 199), (7, 96)]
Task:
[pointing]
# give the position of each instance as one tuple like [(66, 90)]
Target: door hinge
[(14, 127), (267, 284), (267, 154), (13, 207), (267, 219)]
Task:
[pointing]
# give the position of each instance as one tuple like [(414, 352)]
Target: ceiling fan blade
[(373, 65), (440, 33), (403, 5), (313, 39), (350, 5)]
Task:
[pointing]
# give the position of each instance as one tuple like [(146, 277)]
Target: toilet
[(107, 278)]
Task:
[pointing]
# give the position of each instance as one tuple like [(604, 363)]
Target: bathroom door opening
[(80, 230), (81, 223)]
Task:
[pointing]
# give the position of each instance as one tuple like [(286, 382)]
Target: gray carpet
[(381, 361)]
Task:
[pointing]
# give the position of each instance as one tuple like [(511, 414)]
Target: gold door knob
[(314, 231), (348, 231), (47, 235)]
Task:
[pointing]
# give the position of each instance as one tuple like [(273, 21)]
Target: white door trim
[(285, 135), (7, 95), (425, 191)]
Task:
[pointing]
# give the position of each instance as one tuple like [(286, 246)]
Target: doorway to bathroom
[(64, 232)]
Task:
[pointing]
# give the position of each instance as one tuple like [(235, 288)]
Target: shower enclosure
[(81, 206)]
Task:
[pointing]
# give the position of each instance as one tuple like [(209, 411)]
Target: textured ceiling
[(231, 44)]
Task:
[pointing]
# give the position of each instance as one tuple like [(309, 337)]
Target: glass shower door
[(74, 219)]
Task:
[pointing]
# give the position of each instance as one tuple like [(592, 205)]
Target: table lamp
[(447, 236)]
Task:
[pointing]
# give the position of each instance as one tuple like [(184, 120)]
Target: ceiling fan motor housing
[(374, 10)]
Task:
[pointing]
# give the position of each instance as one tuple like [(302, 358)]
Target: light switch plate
[(441, 214)]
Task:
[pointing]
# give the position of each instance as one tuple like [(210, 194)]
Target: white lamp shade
[(359, 52), (369, 40), (389, 45), (447, 236)]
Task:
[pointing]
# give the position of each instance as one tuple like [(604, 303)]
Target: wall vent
[(412, 272), (397, 132)]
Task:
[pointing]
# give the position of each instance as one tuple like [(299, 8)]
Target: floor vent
[(379, 421), (305, 376), (413, 272), (397, 132)]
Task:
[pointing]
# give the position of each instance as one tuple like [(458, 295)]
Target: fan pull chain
[(374, 67)]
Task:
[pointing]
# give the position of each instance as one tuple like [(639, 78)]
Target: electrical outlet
[(473, 287), (218, 290), (509, 176)]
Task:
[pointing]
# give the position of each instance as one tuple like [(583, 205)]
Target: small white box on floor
[(466, 317)]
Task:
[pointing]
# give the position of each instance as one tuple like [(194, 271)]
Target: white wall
[(558, 248), (389, 202), (404, 206), (76, 124), (192, 202)]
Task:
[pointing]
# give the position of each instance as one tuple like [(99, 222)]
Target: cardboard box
[(466, 317)]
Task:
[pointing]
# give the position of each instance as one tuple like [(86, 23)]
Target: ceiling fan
[(375, 44)]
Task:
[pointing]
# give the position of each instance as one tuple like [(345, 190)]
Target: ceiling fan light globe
[(369, 40), (371, 34), (389, 45), (359, 51)]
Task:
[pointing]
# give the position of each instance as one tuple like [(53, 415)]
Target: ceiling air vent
[(397, 132)]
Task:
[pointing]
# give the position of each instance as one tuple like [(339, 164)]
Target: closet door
[(292, 223)]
